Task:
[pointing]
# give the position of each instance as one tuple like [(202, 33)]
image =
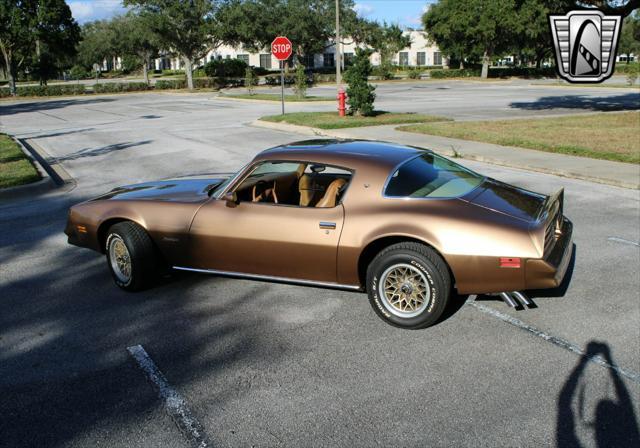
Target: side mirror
[(231, 199)]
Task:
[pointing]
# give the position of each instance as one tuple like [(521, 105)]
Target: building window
[(228, 56), (437, 58), (422, 58), (348, 59), (244, 57), (307, 60), (328, 60), (265, 60), (404, 58)]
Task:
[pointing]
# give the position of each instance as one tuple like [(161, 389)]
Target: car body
[(276, 219)]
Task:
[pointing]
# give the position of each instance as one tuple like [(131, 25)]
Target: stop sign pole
[(281, 49)]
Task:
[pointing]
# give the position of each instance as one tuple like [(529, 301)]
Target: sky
[(406, 13)]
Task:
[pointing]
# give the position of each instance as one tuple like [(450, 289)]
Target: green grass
[(15, 167), (331, 120), (276, 97), (608, 136)]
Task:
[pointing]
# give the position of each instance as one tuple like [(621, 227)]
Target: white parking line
[(623, 241), (173, 402), (554, 340)]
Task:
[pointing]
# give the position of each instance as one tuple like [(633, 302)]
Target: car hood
[(172, 190), (509, 200)]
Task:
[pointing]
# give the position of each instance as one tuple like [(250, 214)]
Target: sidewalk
[(619, 174)]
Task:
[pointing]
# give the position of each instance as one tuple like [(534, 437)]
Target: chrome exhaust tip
[(523, 298), (509, 300)]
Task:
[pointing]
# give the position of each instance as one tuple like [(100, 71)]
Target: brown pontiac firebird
[(402, 223)]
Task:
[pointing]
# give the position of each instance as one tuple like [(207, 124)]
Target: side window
[(300, 184)]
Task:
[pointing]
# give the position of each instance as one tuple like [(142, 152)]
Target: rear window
[(431, 176)]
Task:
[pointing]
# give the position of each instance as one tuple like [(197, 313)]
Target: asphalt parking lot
[(265, 364)]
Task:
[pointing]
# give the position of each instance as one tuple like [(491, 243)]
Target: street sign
[(281, 48)]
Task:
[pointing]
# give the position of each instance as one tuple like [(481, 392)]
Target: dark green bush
[(4, 92), (225, 68), (361, 95), (261, 71), (623, 68), (171, 84), (54, 90), (454, 73), (319, 77), (414, 73), (383, 71), (274, 80), (116, 87), (79, 72)]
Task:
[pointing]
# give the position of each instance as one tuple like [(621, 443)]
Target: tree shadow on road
[(629, 101), (37, 106), (94, 152), (613, 423)]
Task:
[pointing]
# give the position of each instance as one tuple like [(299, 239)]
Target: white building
[(421, 52)]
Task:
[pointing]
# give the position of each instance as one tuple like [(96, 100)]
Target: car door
[(267, 239)]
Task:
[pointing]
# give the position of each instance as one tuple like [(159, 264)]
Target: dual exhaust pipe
[(517, 299)]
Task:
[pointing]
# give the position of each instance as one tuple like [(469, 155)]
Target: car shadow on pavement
[(627, 101), (609, 421)]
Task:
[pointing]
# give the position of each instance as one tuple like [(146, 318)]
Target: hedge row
[(54, 90), (624, 68), (495, 72), (115, 87)]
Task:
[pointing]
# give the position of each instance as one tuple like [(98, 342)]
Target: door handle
[(327, 225)]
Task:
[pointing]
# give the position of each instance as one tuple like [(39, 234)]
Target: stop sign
[(281, 48)]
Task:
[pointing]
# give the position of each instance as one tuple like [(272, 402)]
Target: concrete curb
[(343, 134), (53, 175)]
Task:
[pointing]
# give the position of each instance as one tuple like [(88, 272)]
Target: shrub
[(360, 92), (250, 80), (116, 87), (631, 67), (54, 90), (274, 80), (324, 78), (383, 71), (225, 68), (4, 92), (454, 73), (414, 73), (171, 84), (260, 71), (300, 84), (79, 72), (633, 73)]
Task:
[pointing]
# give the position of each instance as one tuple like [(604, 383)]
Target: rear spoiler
[(553, 205)]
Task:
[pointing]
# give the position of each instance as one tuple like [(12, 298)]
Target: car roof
[(352, 154)]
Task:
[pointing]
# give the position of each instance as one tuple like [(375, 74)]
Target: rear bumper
[(549, 272)]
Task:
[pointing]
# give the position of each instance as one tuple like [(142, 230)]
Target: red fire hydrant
[(342, 100)]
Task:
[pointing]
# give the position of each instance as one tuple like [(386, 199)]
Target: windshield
[(217, 191), (431, 176)]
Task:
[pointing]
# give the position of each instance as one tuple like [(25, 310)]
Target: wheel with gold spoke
[(404, 290), (131, 256), (408, 285)]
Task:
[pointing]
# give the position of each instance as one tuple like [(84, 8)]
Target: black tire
[(425, 264), (142, 254)]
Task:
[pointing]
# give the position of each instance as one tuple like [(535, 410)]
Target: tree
[(35, 34), (138, 40), (186, 27), (630, 43), (387, 40), (614, 7), (100, 41), (361, 94), (309, 24), (477, 28)]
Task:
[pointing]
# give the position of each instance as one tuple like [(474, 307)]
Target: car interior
[(296, 184)]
